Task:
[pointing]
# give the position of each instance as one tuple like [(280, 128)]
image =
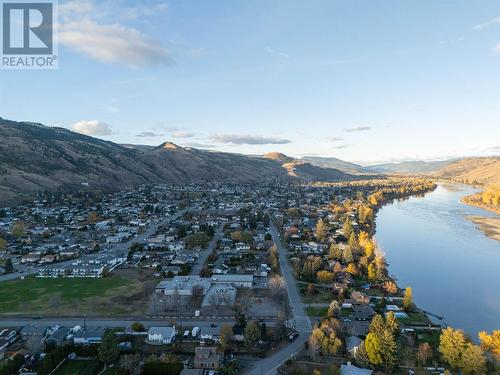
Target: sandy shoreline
[(489, 225)]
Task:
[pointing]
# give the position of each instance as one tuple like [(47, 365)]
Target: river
[(453, 268)]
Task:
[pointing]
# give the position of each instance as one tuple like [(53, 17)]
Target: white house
[(161, 335)]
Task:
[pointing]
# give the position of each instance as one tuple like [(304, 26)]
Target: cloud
[(112, 43), (182, 134), (92, 127), (335, 139), (275, 52), (147, 134), (496, 49), (133, 13), (237, 139), (484, 25), (198, 145), (358, 129), (339, 147), (76, 7), (85, 29)]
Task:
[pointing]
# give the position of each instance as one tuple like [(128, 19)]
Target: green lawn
[(322, 296), (78, 368), (316, 311), (115, 371), (415, 318), (432, 337), (72, 296)]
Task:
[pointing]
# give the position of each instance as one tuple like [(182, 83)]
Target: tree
[(277, 286), (361, 356), (321, 230), (280, 328), (473, 361), (239, 314), (108, 351), (93, 217), (392, 324), (347, 228), (323, 338), (333, 309), (335, 252), (252, 336), (491, 343), (408, 299), (424, 353), (381, 347), (451, 346), (347, 256), (373, 349), (351, 269), (8, 265), (3, 243), (18, 229), (226, 337), (372, 274), (325, 277), (389, 350), (390, 287), (311, 290), (274, 259), (377, 325), (137, 327), (130, 363)]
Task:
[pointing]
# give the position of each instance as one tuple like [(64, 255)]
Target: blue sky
[(364, 81)]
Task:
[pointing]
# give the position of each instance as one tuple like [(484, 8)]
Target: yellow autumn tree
[(321, 230), (491, 343)]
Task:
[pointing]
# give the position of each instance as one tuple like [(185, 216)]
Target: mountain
[(335, 163), (482, 170), (306, 170), (417, 166), (278, 156), (34, 158)]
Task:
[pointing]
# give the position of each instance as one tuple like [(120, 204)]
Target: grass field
[(68, 296), (78, 368), (316, 311)]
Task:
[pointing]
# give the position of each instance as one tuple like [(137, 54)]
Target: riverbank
[(475, 200), (489, 225)]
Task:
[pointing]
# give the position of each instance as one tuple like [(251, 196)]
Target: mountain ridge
[(35, 157)]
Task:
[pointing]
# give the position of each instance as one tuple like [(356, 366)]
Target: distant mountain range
[(481, 170), (416, 166), (34, 158), (341, 165)]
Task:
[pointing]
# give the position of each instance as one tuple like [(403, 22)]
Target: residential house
[(207, 357), (161, 335)]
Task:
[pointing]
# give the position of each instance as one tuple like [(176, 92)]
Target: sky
[(364, 81)]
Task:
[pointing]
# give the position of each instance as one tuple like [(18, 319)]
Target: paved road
[(120, 249), (270, 365), (109, 322), (196, 269)]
